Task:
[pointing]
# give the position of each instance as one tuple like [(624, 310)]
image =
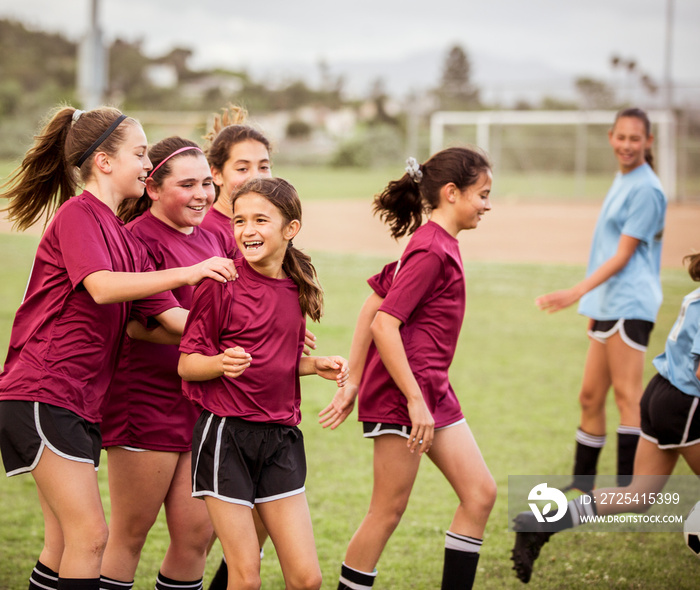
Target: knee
[(311, 580), (250, 581), (390, 516), (591, 400), (483, 497)]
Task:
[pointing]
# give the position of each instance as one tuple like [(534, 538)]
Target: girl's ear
[(217, 176), (292, 229), (152, 189), (449, 192), (102, 162)]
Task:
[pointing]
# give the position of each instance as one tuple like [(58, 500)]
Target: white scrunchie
[(413, 170), (76, 115)]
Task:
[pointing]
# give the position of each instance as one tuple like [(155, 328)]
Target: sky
[(508, 41)]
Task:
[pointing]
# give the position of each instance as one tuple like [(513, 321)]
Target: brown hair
[(296, 264), (47, 177), (157, 153), (226, 131), (693, 261), (404, 201), (636, 113)]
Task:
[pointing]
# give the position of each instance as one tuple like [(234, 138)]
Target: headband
[(100, 139), (164, 160)]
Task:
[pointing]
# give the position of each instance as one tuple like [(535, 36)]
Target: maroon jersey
[(220, 225), (261, 315), (64, 347), (427, 293), (146, 408)]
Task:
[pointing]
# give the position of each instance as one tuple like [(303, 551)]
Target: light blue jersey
[(679, 361), (635, 206)]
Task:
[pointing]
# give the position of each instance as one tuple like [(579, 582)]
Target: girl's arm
[(387, 338), (200, 367), (158, 335), (116, 287), (561, 299), (329, 367), (343, 401)]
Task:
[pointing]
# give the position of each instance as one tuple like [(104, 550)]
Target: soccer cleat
[(529, 539)]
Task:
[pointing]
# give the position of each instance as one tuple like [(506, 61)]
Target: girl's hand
[(218, 268), (309, 342), (333, 368), (341, 407), (235, 361), (422, 426), (557, 301)]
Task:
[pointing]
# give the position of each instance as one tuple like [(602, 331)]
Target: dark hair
[(47, 177), (226, 131), (636, 113), (296, 264), (693, 261), (404, 201), (158, 152)]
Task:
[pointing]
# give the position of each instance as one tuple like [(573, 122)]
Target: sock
[(578, 511), (220, 579), (163, 583), (627, 438), (43, 578), (588, 447), (461, 558), (112, 584), (352, 579), (78, 584)]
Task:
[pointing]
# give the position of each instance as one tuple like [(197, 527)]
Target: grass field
[(517, 372)]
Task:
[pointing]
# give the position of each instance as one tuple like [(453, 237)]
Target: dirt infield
[(511, 232)]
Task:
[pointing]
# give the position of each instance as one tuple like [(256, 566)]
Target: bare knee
[(388, 517), (591, 400), (90, 540), (311, 580)]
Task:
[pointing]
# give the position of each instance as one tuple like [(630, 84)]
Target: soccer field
[(517, 373)]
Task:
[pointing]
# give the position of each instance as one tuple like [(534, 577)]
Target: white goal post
[(664, 121)]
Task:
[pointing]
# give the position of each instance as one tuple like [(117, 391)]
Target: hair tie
[(164, 160), (290, 244), (100, 139), (76, 115), (413, 170)]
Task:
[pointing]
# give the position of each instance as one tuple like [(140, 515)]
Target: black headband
[(100, 139)]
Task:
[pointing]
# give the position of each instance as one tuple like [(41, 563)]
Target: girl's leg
[(189, 526), (138, 485), (457, 456), (395, 470), (69, 490), (627, 374), (289, 523), (590, 436), (234, 527), (692, 456), (45, 574)]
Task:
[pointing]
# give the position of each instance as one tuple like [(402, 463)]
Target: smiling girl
[(67, 332)]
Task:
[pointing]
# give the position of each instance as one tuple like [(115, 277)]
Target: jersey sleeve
[(203, 327), (414, 281), (646, 214), (381, 282)]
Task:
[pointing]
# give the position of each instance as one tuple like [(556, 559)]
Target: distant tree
[(456, 90), (595, 94), (178, 58)]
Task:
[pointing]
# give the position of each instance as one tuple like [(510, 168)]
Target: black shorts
[(246, 462), (634, 333), (670, 418), (374, 429), (27, 427)]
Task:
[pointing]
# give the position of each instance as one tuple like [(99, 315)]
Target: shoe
[(529, 539)]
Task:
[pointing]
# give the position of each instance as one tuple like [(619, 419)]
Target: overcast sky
[(573, 37)]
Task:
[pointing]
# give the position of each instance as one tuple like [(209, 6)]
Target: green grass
[(517, 372)]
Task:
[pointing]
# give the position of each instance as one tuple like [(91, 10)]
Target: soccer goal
[(485, 122)]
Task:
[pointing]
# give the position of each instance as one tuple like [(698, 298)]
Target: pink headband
[(184, 149)]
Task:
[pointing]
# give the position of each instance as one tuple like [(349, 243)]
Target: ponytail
[(48, 175), (693, 261), (296, 264), (403, 202)]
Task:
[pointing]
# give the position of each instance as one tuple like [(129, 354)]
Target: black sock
[(78, 583), (579, 511), (164, 583), (220, 579), (352, 579), (461, 559), (627, 439), (112, 584), (43, 577), (588, 447)]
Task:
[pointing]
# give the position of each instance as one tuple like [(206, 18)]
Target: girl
[(147, 426), (670, 429), (68, 330), (247, 449), (406, 401), (621, 295)]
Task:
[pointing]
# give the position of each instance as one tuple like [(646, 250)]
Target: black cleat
[(529, 539)]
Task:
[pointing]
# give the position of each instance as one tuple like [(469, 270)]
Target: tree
[(456, 90), (595, 94)]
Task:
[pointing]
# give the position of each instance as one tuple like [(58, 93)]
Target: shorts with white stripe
[(634, 333), (246, 462)]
